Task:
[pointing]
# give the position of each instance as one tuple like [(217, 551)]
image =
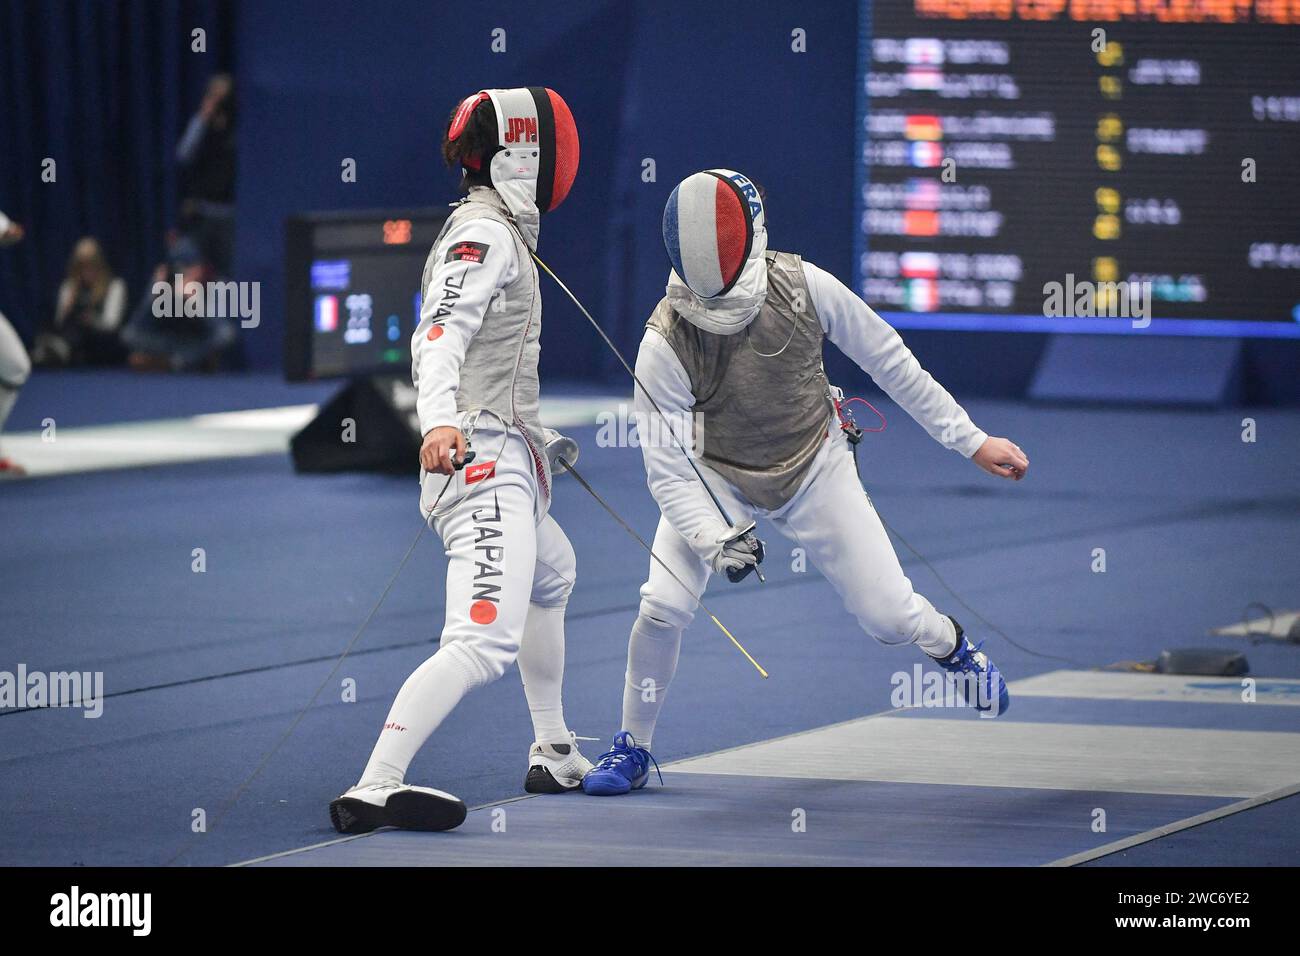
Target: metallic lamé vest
[(500, 369), (759, 419)]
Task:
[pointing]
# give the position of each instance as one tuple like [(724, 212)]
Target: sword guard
[(745, 533), (561, 450)]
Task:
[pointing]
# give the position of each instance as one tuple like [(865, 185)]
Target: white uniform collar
[(528, 225)]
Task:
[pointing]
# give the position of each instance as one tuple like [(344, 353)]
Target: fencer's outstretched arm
[(459, 294), (878, 349), (675, 488)]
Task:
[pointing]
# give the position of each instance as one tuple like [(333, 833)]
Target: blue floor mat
[(1262, 836), (205, 672)]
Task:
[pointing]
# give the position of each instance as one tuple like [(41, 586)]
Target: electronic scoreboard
[(1011, 152)]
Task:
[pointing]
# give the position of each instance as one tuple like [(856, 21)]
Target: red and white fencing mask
[(537, 156)]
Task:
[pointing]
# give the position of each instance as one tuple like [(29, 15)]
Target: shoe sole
[(605, 789), (350, 815), (412, 810), (541, 780), (615, 788)]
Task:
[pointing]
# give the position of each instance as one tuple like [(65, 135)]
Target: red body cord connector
[(850, 427)]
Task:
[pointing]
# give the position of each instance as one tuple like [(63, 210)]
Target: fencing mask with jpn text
[(536, 158)]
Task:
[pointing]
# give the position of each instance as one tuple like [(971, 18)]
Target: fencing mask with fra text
[(715, 231)]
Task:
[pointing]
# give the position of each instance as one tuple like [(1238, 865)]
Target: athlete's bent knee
[(553, 580), (481, 661), (663, 613)]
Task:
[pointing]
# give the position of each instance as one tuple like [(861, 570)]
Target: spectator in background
[(14, 364), (206, 155), (88, 318), (170, 342)]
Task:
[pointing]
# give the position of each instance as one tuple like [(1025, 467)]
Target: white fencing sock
[(541, 667), (652, 653), (431, 693), (939, 640)]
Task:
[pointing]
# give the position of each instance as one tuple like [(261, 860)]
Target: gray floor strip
[(1026, 754), (1178, 825)]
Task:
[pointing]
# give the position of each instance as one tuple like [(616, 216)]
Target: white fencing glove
[(559, 446), (735, 552)]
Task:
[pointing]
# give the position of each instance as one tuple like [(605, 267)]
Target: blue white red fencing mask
[(716, 235), (536, 160)]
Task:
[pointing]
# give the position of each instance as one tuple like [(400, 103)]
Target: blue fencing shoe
[(622, 768), (977, 677)]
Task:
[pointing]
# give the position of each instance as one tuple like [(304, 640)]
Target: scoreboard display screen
[(1013, 154), (353, 290)]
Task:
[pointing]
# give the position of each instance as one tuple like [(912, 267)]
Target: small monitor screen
[(354, 291)]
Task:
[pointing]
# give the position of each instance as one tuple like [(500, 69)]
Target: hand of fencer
[(443, 449), (1002, 457), (734, 554)]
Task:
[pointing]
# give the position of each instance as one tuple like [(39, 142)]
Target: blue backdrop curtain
[(104, 89)]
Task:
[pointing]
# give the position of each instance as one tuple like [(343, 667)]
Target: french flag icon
[(327, 313)]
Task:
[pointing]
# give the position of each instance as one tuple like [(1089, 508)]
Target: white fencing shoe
[(363, 809), (556, 768)]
